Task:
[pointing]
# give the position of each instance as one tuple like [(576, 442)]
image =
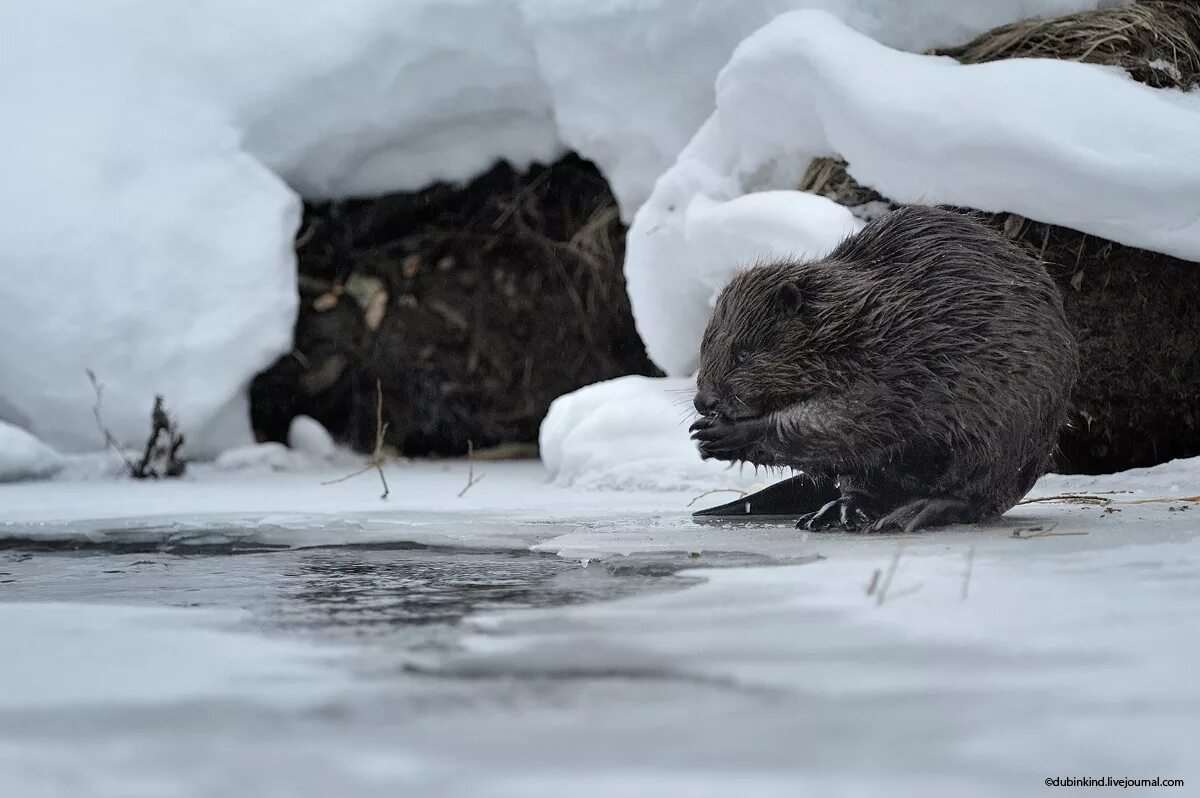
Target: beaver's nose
[(705, 403)]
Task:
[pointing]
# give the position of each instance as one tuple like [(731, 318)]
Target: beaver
[(918, 375)]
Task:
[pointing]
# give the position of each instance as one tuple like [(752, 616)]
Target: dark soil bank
[(1136, 315), (473, 306)]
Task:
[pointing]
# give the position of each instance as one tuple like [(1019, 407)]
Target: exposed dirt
[(1136, 315), (474, 306)]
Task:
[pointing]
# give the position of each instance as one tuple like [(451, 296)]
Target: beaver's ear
[(788, 296)]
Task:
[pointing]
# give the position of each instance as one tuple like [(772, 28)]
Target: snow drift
[(1087, 148), (147, 231), (23, 456), (631, 433)]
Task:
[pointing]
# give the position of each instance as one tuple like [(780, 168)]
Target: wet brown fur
[(925, 365)]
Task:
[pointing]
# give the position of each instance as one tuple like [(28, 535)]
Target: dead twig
[(163, 445), (967, 572), (891, 572), (1165, 500), (874, 583), (1069, 498), (1028, 533), (378, 458), (715, 490), (1101, 501), (471, 478), (110, 440)]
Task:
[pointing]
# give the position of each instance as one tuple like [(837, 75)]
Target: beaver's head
[(775, 338)]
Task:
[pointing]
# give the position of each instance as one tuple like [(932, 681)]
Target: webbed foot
[(923, 513), (849, 511)]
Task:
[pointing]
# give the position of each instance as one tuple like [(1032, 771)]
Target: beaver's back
[(971, 331)]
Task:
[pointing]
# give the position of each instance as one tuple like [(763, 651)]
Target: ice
[(95, 655), (23, 456), (991, 662), (919, 129)]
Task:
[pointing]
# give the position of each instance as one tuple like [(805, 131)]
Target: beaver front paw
[(850, 512), (722, 438)]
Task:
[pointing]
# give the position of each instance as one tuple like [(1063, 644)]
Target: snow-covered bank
[(632, 433), (23, 456), (154, 153), (1050, 140)]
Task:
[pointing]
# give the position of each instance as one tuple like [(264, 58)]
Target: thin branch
[(471, 478), (110, 440), (716, 490), (967, 573), (874, 583), (1069, 498), (887, 580), (378, 458)]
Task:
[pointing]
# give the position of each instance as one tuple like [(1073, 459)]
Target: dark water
[(338, 592)]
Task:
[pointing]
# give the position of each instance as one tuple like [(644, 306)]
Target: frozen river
[(258, 637)]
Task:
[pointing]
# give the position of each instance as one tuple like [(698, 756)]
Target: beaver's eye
[(741, 356)]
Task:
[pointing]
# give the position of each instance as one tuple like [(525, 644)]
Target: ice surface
[(920, 129), (23, 456), (97, 654), (990, 663)]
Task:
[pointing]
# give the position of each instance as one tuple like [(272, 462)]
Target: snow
[(306, 434), (155, 152), (685, 243), (919, 129), (97, 654), (631, 80), (141, 241), (630, 433), (23, 456)]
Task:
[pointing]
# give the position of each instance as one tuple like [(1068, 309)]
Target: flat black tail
[(790, 498)]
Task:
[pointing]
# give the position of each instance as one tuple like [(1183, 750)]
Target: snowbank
[(630, 81), (631, 433), (23, 456), (146, 228), (140, 240), (1088, 149)]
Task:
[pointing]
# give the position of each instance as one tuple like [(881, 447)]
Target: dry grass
[(1156, 41), (829, 178)]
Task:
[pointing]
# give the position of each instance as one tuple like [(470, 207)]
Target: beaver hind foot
[(855, 512), (923, 513), (850, 511)]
